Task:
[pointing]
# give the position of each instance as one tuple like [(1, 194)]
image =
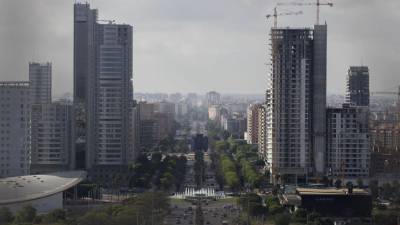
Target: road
[(217, 211), (182, 213), (214, 212)]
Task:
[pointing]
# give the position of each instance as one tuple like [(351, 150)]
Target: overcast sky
[(200, 45)]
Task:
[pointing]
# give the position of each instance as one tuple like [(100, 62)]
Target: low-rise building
[(342, 205), (43, 192), (236, 125), (156, 121), (385, 143)]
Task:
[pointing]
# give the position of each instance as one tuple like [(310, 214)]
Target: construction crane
[(275, 15), (388, 93), (317, 4)]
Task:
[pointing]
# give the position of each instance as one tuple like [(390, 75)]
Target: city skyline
[(206, 112), (206, 40)]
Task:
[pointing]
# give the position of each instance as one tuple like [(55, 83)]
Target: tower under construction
[(296, 103)]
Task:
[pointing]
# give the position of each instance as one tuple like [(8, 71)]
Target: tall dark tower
[(319, 98), (84, 82), (357, 92)]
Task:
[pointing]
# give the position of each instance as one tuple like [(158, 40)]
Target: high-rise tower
[(114, 94), (296, 101), (357, 92), (84, 83), (103, 94)]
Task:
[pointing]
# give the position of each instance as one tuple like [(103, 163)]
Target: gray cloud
[(188, 45)]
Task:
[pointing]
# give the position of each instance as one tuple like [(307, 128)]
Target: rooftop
[(27, 188), (330, 191)]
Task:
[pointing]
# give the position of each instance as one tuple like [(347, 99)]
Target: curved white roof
[(26, 188)]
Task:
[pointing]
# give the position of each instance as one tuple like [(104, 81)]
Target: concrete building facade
[(252, 123), (385, 143), (348, 142), (296, 103), (14, 128), (156, 122), (51, 138), (214, 113), (262, 134), (114, 95), (236, 125), (40, 82)]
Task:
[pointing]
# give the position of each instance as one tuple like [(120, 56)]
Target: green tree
[(386, 217), (25, 215), (5, 215), (273, 205), (57, 215), (166, 181), (349, 184), (249, 174), (338, 183), (225, 135), (129, 216), (95, 218), (300, 215), (314, 218), (221, 146), (156, 158), (232, 179), (282, 219), (252, 204), (373, 185), (360, 183)]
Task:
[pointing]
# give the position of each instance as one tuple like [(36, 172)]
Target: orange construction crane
[(275, 15), (317, 4)]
